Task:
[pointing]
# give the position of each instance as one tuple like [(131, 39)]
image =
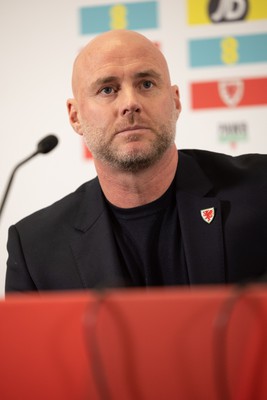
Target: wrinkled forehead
[(103, 55)]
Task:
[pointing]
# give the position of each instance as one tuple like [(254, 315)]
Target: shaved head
[(106, 44)]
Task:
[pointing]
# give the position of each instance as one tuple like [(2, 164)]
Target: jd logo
[(228, 10)]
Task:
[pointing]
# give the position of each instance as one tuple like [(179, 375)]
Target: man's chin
[(134, 160)]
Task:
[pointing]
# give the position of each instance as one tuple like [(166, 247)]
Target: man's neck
[(133, 189)]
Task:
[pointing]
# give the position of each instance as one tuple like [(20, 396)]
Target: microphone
[(45, 145)]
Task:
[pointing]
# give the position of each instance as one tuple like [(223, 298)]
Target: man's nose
[(129, 102)]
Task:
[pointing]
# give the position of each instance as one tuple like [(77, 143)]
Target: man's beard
[(133, 160)]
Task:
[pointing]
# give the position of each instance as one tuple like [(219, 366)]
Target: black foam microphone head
[(47, 144)]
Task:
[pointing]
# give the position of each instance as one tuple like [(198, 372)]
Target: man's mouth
[(131, 129)]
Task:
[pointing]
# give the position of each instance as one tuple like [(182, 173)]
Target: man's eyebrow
[(105, 80), (148, 73)]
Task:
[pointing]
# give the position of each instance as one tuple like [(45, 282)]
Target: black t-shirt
[(150, 243)]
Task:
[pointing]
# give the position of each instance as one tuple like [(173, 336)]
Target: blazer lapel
[(93, 244), (203, 242)]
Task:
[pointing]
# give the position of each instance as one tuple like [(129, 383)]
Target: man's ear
[(74, 115), (176, 98)]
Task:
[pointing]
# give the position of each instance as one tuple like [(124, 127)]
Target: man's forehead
[(107, 62), (116, 58), (111, 60)]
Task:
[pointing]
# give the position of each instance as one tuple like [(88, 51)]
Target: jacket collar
[(93, 244)]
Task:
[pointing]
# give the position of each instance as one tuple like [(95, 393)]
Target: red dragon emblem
[(208, 214)]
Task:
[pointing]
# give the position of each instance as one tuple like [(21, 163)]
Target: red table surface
[(204, 343)]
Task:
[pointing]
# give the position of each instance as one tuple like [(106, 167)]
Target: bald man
[(153, 216)]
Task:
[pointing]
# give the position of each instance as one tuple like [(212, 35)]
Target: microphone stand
[(12, 177), (44, 146)]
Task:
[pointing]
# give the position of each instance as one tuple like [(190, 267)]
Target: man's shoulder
[(220, 161), (224, 168), (212, 156), (65, 208)]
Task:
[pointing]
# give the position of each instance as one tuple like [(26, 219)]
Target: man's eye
[(147, 84), (107, 90)]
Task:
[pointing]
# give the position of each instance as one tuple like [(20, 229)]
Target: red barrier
[(204, 343)]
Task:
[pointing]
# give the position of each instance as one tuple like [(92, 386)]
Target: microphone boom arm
[(11, 180), (44, 146)]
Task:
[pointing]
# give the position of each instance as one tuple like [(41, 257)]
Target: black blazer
[(70, 244)]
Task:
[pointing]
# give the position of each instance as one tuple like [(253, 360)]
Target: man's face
[(127, 108)]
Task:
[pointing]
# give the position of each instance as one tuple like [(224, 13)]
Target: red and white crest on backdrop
[(231, 91), (208, 214)]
